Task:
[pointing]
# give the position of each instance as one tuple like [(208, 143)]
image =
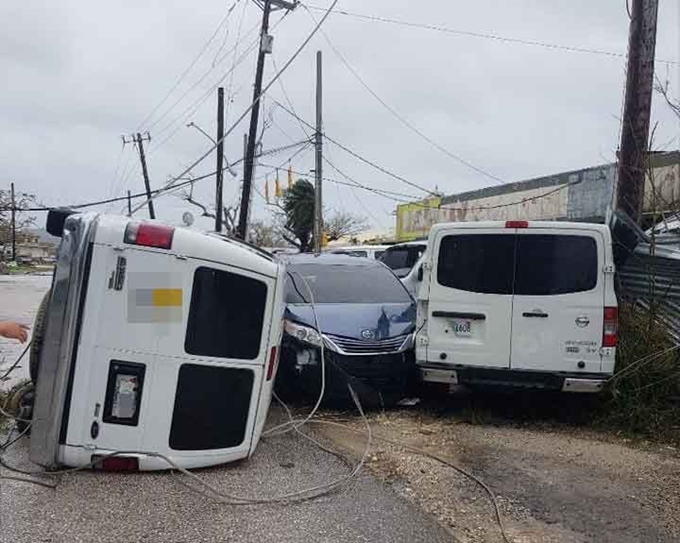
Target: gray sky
[(79, 74)]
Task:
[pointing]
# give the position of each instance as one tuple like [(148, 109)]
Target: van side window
[(555, 264), (477, 263), (226, 315)]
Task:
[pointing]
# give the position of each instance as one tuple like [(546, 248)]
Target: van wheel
[(20, 405), (38, 337)]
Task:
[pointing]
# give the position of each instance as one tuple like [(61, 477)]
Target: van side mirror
[(420, 273)]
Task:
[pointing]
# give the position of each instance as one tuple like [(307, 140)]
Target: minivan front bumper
[(502, 377)]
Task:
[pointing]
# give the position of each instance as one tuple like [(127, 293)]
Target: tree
[(343, 224), (265, 234), (23, 220), (228, 212), (298, 206)]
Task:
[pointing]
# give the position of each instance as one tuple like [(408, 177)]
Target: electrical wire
[(16, 363), (496, 37), (400, 117), (358, 156), (187, 70), (255, 103)]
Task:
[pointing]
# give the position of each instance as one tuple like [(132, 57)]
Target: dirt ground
[(552, 481)]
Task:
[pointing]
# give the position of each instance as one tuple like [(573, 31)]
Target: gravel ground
[(552, 483)]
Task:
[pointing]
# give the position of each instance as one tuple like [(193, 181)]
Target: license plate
[(462, 328)]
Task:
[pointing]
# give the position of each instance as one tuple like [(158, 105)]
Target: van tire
[(38, 337), (17, 403)]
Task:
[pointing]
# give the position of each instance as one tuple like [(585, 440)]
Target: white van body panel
[(117, 327), (558, 331)]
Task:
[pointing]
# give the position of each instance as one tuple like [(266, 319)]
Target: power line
[(484, 35), (401, 118), (255, 103), (358, 156), (190, 67)]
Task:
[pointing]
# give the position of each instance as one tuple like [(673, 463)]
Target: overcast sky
[(79, 74)]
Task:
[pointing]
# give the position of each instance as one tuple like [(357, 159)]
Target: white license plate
[(462, 328)]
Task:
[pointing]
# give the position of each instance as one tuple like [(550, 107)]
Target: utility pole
[(129, 200), (633, 149), (266, 42), (318, 147), (219, 174), (138, 139), (14, 226)]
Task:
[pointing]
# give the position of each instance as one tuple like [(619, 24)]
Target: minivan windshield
[(344, 284)]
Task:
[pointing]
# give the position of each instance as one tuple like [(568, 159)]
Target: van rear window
[(526, 265), (226, 315), (555, 264), (477, 263)]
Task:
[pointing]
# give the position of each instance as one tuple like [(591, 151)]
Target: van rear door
[(558, 307), (470, 298)]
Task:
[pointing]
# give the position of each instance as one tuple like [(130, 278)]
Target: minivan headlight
[(303, 333)]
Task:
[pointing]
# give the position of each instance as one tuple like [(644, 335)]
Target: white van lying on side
[(156, 341), (520, 303)]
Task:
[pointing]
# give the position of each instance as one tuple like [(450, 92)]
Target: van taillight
[(115, 463), (149, 235), (272, 363), (517, 224), (610, 329)]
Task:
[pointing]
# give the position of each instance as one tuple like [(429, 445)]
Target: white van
[(154, 339), (519, 303), (405, 260)]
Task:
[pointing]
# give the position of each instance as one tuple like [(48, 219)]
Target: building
[(579, 195), (34, 246)]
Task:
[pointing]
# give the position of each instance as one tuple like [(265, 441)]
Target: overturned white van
[(528, 304), (156, 340)]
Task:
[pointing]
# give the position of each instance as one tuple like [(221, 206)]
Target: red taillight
[(517, 224), (115, 463), (610, 329), (149, 235), (271, 367)]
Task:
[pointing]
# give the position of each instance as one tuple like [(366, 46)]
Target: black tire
[(38, 337), (20, 405)]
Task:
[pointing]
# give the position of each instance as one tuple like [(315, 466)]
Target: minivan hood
[(349, 320)]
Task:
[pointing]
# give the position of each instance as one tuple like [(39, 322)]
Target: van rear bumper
[(465, 375)]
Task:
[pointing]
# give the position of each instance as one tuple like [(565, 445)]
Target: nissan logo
[(367, 334)]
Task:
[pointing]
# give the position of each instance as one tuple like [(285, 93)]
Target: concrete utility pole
[(266, 42), (219, 174), (318, 159), (138, 139), (639, 85), (14, 226)]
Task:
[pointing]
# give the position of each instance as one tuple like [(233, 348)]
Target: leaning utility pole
[(637, 105), (219, 174), (14, 226), (265, 47), (318, 147), (137, 138)]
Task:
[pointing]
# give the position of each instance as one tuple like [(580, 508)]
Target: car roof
[(330, 259), (359, 248), (416, 243)]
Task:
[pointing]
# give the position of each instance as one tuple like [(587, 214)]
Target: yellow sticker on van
[(166, 297)]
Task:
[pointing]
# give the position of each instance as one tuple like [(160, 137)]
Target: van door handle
[(458, 315), (539, 314)]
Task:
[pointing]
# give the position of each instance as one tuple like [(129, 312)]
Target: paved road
[(100, 507)]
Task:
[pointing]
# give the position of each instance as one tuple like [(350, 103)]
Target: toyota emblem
[(367, 334)]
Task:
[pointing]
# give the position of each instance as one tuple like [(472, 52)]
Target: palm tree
[(298, 203)]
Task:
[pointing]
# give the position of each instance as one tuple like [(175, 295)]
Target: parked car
[(405, 259), (366, 323), (518, 303), (152, 338), (368, 251)]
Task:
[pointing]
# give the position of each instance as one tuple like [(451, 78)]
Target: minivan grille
[(361, 346)]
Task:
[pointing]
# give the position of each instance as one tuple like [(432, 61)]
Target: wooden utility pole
[(633, 149), (138, 139), (266, 42), (14, 225), (318, 165), (219, 174)]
